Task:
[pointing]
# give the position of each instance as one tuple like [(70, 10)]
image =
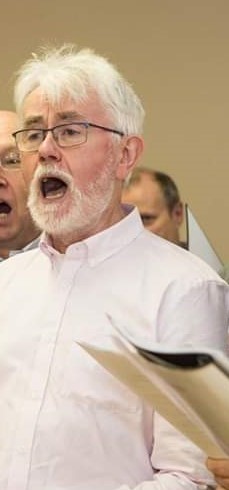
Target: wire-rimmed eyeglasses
[(65, 135)]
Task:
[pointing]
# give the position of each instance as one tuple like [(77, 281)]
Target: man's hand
[(220, 470)]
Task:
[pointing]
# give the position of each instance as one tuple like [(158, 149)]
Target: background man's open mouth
[(5, 208)]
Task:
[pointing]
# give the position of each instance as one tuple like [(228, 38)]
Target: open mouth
[(5, 209), (53, 187)]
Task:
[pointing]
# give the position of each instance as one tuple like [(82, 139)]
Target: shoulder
[(166, 258), (19, 263)]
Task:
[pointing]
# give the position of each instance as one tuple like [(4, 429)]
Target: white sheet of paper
[(199, 244)]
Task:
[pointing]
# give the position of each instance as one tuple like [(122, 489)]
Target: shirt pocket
[(81, 377)]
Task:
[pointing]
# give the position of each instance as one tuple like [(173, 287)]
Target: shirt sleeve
[(195, 314)]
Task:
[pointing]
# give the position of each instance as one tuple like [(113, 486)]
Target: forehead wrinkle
[(61, 116)]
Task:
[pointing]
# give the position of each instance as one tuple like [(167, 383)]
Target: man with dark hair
[(158, 200)]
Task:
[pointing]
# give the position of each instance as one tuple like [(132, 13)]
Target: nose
[(49, 150)]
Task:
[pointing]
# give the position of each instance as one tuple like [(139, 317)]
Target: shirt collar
[(32, 245), (102, 245)]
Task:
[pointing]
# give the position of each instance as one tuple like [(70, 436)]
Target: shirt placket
[(32, 406)]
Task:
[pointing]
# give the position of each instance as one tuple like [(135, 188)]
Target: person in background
[(220, 469), (17, 230), (65, 422), (157, 197)]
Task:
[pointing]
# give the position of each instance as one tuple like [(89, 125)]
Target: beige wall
[(176, 54)]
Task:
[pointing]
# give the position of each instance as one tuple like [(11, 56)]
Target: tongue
[(4, 208), (53, 187)]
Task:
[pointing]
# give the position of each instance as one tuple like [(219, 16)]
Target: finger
[(223, 483), (220, 467)]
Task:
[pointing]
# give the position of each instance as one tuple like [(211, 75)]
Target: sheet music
[(199, 244), (195, 401)]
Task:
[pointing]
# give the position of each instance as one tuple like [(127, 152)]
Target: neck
[(109, 218), (4, 253), (18, 244)]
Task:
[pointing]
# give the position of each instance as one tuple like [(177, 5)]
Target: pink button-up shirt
[(66, 423)]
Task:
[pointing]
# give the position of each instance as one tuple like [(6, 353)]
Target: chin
[(75, 211), (52, 219), (57, 216)]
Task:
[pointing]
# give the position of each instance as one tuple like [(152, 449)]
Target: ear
[(131, 149), (178, 213)]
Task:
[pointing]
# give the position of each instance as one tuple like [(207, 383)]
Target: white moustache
[(51, 171)]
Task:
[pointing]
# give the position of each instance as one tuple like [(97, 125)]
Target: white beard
[(83, 209)]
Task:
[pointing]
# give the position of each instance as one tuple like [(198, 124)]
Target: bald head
[(10, 115), (8, 123)]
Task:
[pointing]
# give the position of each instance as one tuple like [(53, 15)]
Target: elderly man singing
[(65, 422)]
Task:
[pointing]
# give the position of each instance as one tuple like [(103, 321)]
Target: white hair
[(65, 70)]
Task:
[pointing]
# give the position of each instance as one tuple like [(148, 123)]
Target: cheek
[(154, 227), (89, 166), (158, 223), (20, 194), (28, 168), (160, 226)]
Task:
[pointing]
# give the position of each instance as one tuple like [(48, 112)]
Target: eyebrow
[(32, 120), (62, 116), (69, 115), (148, 215)]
